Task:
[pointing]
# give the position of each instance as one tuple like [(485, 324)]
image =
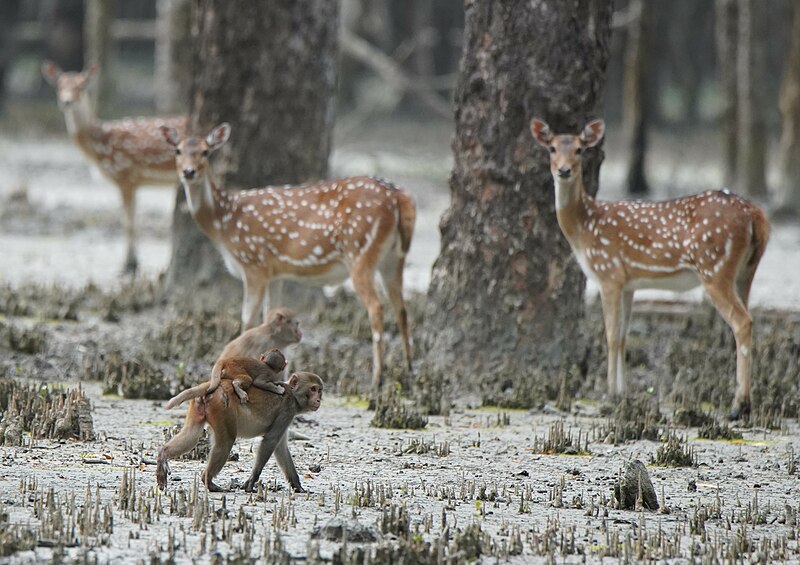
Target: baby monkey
[(243, 372)]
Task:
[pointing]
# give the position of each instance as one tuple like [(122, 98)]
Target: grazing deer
[(714, 238), (317, 233), (129, 152)]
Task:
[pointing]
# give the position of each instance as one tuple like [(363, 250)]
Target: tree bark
[(269, 69), (173, 56), (505, 293), (9, 11), (97, 37), (635, 111), (788, 194), (751, 178), (727, 23), (62, 29)]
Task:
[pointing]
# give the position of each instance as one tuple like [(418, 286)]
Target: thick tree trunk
[(173, 56), (727, 24), (788, 196), (751, 178), (97, 37), (269, 69), (505, 294), (635, 111)]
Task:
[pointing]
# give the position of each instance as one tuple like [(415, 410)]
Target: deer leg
[(128, 194), (364, 282), (611, 298), (392, 275), (625, 320), (251, 304), (731, 308)]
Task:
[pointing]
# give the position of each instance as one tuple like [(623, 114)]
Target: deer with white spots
[(129, 152), (316, 233), (714, 238)]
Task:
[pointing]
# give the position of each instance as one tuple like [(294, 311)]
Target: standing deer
[(317, 233), (714, 238), (129, 152)]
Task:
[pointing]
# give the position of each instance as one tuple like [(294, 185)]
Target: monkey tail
[(407, 212), (188, 394)]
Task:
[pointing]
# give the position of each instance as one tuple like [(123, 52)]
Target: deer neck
[(79, 117), (206, 201), (573, 205)]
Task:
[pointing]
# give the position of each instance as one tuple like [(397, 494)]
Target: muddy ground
[(491, 482)]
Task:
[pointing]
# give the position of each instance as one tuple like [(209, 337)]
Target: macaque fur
[(243, 372), (280, 330), (267, 415)]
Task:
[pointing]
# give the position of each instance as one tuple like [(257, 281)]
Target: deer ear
[(50, 72), (170, 135), (541, 132), (593, 133), (218, 136)]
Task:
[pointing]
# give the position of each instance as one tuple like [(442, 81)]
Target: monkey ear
[(280, 318), (263, 358), (293, 380)]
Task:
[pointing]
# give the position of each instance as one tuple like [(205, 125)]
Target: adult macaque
[(267, 415), (243, 372), (281, 330)]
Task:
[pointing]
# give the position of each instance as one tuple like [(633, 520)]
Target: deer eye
[(177, 151), (552, 149), (205, 153), (578, 150)]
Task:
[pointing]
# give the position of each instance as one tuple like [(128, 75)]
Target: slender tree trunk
[(788, 197), (269, 69), (173, 56), (9, 10), (506, 297), (751, 77), (100, 15), (727, 24), (62, 28), (635, 111)]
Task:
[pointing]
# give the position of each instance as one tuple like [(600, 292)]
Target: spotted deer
[(714, 238), (129, 152), (317, 233)]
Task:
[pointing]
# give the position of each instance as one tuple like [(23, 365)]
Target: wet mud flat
[(488, 480)]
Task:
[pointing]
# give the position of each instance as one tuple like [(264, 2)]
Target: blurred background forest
[(714, 80)]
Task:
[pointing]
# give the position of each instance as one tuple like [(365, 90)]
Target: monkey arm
[(272, 437), (286, 463)]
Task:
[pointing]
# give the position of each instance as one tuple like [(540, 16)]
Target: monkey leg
[(240, 392), (224, 437), (184, 441)]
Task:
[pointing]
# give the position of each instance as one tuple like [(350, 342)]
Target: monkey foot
[(213, 487)]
